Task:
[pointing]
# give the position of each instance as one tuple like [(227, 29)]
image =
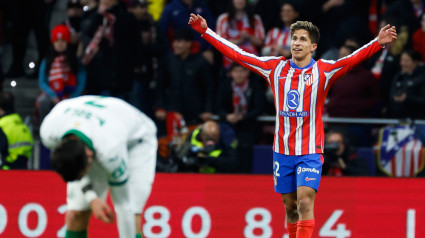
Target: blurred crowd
[(205, 106)]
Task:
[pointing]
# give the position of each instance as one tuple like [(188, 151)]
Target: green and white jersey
[(109, 126)]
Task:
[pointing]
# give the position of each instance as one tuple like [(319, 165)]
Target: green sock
[(76, 234), (139, 235)]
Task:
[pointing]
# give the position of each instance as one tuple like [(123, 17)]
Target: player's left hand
[(102, 211), (198, 23), (387, 35)]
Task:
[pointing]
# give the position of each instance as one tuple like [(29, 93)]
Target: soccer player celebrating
[(100, 142), (300, 86)]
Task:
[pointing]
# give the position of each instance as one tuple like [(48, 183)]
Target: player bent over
[(99, 143), (300, 86)]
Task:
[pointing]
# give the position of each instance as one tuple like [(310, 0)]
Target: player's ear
[(313, 47), (89, 152)]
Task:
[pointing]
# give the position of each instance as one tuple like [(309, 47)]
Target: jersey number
[(95, 103)]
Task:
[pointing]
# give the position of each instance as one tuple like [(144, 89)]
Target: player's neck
[(302, 62)]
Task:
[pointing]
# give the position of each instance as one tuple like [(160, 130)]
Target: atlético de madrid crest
[(308, 79)]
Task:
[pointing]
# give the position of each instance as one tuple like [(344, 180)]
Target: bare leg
[(305, 202), (138, 224), (290, 202), (77, 220)]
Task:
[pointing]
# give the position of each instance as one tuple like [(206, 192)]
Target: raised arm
[(336, 69), (259, 65), (387, 34)]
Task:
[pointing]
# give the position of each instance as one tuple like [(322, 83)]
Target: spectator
[(16, 142), (210, 148), (218, 7), (418, 41), (175, 16), (337, 21), (185, 83), (110, 42), (74, 14), (151, 50), (377, 10), (334, 52), (407, 95), (355, 94), (278, 39), (242, 27), (385, 64), (61, 75), (240, 101), (156, 7), (270, 11), (90, 4), (340, 158), (407, 13)]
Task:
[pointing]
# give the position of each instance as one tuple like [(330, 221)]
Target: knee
[(291, 209), (75, 215), (305, 205), (77, 220)]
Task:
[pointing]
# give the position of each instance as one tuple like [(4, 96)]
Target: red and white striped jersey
[(225, 30), (299, 93), (276, 36)]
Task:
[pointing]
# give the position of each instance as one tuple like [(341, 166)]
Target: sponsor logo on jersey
[(309, 179), (310, 170), (293, 99), (293, 114)]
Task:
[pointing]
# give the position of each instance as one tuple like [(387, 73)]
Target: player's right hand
[(198, 23), (102, 211)]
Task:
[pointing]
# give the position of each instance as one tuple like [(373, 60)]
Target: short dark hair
[(234, 65), (183, 34), (7, 102), (414, 55), (69, 158), (313, 31)]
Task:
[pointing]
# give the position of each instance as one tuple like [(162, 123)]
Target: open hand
[(198, 23), (387, 35), (102, 211)]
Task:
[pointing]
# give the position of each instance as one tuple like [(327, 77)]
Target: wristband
[(90, 195)]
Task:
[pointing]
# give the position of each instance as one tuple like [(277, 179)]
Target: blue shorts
[(289, 172)]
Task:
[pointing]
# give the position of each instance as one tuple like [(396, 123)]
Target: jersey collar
[(83, 138), (293, 65)]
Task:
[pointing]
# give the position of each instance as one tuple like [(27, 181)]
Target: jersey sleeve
[(115, 162), (336, 69), (260, 65)]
